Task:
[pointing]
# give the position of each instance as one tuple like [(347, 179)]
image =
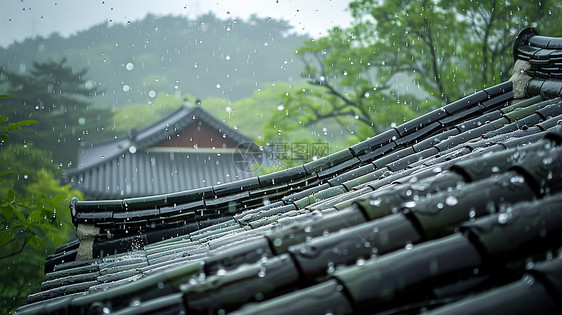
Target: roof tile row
[(448, 212)]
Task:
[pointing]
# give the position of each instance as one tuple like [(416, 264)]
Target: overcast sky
[(23, 18)]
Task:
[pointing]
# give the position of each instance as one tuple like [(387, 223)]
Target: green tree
[(451, 47), (401, 58), (57, 96), (171, 54), (34, 216)]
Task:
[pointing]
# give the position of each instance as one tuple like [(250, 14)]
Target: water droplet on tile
[(258, 296), (517, 179), (410, 204), (503, 218), (528, 279), (451, 200), (331, 267), (529, 264), (375, 202)]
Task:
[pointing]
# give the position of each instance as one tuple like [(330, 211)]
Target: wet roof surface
[(129, 165), (457, 211)]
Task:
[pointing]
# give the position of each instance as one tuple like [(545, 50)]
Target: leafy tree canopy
[(57, 96), (171, 54), (34, 216), (402, 58)]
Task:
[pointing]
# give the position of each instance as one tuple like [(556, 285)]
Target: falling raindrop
[(126, 88), (152, 93), (280, 107), (130, 66)]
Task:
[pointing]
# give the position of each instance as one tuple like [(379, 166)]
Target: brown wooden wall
[(198, 133)]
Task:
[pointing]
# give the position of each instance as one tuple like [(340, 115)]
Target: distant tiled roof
[(457, 211), (111, 169)]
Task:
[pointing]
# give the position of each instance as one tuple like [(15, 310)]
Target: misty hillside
[(205, 57)]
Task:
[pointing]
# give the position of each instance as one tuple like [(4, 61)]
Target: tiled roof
[(111, 169), (457, 211)]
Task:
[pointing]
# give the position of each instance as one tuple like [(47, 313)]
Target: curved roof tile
[(456, 211)]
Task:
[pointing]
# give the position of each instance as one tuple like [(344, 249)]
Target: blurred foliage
[(140, 116), (170, 54), (439, 50), (248, 116), (57, 96), (35, 217)]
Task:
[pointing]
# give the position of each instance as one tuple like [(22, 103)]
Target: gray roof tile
[(452, 206)]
